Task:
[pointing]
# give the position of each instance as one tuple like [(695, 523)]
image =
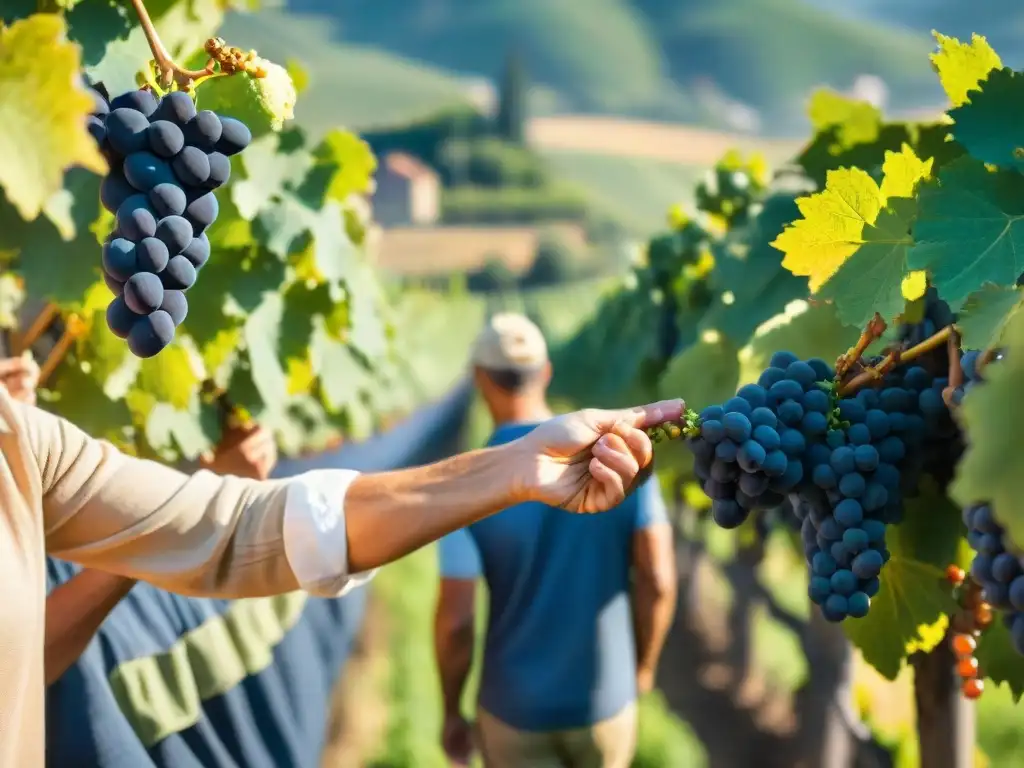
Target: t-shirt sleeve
[(650, 505), (459, 556)]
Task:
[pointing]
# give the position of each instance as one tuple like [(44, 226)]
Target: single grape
[(220, 170), (114, 190), (737, 426), (726, 450), (878, 423), (824, 477), (849, 513), (767, 437), (737, 405), (753, 484), (143, 293), (140, 101), (887, 476), (119, 259), (782, 360), (814, 423), (792, 475), (822, 370), (763, 417), (816, 400), (234, 137), (176, 305), (135, 219), (165, 138), (775, 463), (175, 232), (144, 170), (120, 318), (823, 564), (711, 430), (204, 130), (769, 376), (792, 442), (179, 275), (802, 373), (819, 589), (855, 540), (852, 485), (871, 586), (151, 255), (842, 460), (835, 438), (892, 450), (858, 605), (116, 286), (728, 514), (844, 582), (126, 131), (177, 107), (1016, 593), (192, 166), (1005, 567), (712, 412), (852, 411), (867, 564), (835, 608), (875, 497), (150, 334), (167, 200), (723, 471), (984, 520), (202, 212), (875, 529), (753, 394), (787, 389), (719, 490), (790, 413), (865, 457), (100, 106), (750, 456)]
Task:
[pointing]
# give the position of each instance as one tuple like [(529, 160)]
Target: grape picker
[(66, 494)]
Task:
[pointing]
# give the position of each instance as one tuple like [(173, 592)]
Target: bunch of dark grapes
[(166, 159), (937, 315), (749, 452)]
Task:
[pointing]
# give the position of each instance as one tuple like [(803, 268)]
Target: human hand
[(589, 460), (457, 740), (20, 376), (243, 452)]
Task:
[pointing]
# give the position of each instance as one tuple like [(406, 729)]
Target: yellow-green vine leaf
[(988, 126), (262, 103), (298, 74), (171, 377), (43, 107), (856, 122), (961, 66), (983, 316)]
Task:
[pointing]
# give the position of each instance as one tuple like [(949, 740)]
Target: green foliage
[(511, 119)]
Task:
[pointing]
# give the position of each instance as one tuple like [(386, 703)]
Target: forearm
[(454, 649), (391, 514), (654, 607), (74, 612)]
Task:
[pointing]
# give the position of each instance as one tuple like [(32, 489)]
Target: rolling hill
[(679, 60)]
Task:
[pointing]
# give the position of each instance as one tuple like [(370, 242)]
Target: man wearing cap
[(567, 649)]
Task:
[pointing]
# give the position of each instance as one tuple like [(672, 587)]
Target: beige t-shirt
[(65, 494)]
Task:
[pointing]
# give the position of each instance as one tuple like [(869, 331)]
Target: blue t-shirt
[(560, 650)]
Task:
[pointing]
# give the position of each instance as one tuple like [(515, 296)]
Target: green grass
[(636, 191), (352, 86)]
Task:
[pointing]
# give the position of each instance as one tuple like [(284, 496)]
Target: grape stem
[(169, 71), (59, 351), (956, 370), (24, 341), (896, 357), (985, 358), (874, 330)]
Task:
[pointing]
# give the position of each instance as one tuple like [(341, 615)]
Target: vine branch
[(23, 341), (72, 330), (168, 69), (874, 330), (895, 357)]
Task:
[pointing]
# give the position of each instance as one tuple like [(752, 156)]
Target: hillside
[(682, 60)]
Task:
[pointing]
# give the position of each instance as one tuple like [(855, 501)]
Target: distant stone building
[(408, 192)]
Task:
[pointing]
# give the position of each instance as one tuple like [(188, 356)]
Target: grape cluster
[(843, 463), (937, 315), (166, 160), (749, 452)]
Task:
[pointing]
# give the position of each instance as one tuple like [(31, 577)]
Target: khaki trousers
[(608, 744)]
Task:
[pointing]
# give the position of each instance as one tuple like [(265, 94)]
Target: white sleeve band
[(315, 540)]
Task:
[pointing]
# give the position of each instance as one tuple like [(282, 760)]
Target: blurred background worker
[(567, 647)]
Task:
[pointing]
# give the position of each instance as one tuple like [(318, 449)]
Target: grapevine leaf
[(984, 314), (902, 172), (914, 286), (284, 226), (804, 329), (298, 74), (345, 165), (264, 172), (705, 373), (989, 124), (999, 660), (105, 355), (825, 154), (187, 432), (170, 377), (757, 286), (910, 611), (991, 468), (367, 332), (968, 230), (333, 252), (263, 338), (857, 122), (78, 397), (342, 375), (961, 66), (871, 279), (59, 270), (832, 225), (230, 230), (45, 107), (262, 103)]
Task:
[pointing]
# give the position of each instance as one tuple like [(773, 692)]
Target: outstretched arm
[(231, 537)]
